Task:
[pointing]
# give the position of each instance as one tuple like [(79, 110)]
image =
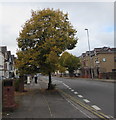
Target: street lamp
[(89, 54)]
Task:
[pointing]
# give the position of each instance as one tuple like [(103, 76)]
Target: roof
[(99, 50), (3, 49)]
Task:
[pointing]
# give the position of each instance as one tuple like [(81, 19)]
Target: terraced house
[(99, 63), (6, 63)]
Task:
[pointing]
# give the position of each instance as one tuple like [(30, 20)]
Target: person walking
[(36, 79)]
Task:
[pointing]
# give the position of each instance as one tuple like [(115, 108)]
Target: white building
[(6, 63), (1, 65)]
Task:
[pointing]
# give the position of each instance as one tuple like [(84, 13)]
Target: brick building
[(100, 63)]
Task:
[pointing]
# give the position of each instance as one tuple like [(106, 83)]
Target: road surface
[(98, 95)]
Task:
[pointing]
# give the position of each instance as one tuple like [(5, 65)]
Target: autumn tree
[(70, 62), (26, 65), (61, 69), (45, 36)]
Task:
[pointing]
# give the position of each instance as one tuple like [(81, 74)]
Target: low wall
[(109, 75)]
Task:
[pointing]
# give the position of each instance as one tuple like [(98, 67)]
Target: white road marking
[(80, 96), (72, 90), (75, 92), (110, 116), (69, 88), (107, 116), (87, 101), (96, 107), (65, 85)]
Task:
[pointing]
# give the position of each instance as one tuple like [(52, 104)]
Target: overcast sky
[(98, 17)]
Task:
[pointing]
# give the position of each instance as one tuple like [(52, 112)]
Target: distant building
[(101, 62), (6, 63), (1, 65)]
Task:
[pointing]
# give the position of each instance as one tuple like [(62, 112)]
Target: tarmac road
[(97, 94)]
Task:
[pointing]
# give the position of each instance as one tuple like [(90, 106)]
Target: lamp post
[(89, 54)]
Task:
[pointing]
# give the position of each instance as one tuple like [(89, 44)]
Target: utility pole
[(89, 54)]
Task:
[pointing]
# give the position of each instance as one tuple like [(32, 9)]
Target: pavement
[(40, 103)]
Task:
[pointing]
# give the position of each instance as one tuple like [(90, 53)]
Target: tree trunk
[(61, 75), (71, 73), (50, 81), (21, 84)]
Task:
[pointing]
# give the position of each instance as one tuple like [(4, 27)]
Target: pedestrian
[(36, 79)]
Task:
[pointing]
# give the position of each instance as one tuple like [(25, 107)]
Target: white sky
[(98, 17)]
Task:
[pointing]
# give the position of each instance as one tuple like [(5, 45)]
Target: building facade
[(6, 63), (1, 65), (99, 63)]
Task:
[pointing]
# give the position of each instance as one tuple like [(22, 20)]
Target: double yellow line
[(87, 107)]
